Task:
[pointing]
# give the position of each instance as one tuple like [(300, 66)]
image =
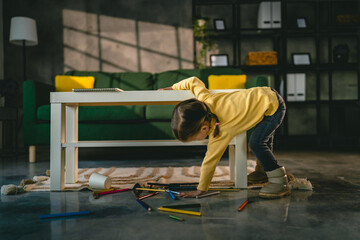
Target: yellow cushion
[(65, 83), (227, 81)]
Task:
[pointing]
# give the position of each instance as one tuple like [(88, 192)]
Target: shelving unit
[(330, 115)]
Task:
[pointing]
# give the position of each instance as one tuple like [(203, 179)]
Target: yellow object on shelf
[(261, 58)]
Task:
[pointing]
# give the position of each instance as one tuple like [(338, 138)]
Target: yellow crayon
[(180, 211)]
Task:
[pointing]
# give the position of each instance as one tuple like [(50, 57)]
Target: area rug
[(127, 177)]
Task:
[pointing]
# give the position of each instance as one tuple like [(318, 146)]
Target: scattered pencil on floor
[(176, 218), (98, 194), (155, 190), (241, 207), (173, 197), (148, 195), (68, 214), (147, 207), (179, 206), (180, 211), (208, 194)]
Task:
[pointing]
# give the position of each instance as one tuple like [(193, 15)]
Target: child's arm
[(167, 88), (196, 86)]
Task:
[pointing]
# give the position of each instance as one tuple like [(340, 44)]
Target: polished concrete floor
[(330, 211)]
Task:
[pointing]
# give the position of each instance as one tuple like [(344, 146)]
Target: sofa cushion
[(227, 81), (126, 81), (205, 73), (159, 112), (126, 131), (168, 78), (100, 113)]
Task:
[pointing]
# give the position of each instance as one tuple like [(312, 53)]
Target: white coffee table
[(64, 142)]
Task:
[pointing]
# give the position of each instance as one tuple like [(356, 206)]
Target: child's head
[(190, 117)]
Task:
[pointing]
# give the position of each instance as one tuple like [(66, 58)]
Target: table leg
[(71, 135), (57, 161), (232, 162), (240, 168)]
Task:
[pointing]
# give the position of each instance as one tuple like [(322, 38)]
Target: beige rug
[(127, 177)]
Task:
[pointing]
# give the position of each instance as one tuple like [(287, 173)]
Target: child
[(222, 116)]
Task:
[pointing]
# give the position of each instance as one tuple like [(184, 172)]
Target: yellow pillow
[(64, 83), (227, 81)]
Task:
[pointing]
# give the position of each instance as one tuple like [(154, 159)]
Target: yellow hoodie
[(237, 111)]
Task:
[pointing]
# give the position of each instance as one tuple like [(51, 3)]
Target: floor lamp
[(23, 32)]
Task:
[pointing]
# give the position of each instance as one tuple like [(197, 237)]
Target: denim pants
[(261, 140)]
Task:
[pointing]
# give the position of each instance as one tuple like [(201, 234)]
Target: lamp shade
[(23, 29)]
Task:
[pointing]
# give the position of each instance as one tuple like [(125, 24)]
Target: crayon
[(68, 214), (208, 194), (243, 205), (147, 207), (180, 211), (176, 218)]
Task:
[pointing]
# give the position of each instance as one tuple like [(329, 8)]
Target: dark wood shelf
[(322, 34)]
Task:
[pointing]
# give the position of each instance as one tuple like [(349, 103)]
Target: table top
[(126, 97)]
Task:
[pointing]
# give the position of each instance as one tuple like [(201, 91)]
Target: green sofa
[(113, 122)]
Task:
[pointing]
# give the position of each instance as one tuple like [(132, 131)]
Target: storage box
[(261, 58)]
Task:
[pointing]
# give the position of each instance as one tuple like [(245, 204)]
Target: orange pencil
[(243, 205)]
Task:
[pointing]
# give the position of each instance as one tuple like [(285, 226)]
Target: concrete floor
[(331, 211)]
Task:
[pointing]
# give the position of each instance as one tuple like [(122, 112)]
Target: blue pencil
[(68, 214), (171, 195), (147, 207)]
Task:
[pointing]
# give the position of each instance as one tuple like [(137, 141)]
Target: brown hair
[(189, 116)]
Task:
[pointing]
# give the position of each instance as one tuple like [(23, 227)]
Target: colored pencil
[(180, 211), (148, 195), (176, 218), (68, 214), (173, 197), (243, 205), (208, 194), (155, 190), (194, 205), (147, 207), (115, 191), (225, 189)]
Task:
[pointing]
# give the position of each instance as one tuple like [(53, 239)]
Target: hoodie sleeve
[(196, 86)]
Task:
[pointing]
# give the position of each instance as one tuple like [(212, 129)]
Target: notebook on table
[(97, 90)]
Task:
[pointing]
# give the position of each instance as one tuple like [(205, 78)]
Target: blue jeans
[(261, 140)]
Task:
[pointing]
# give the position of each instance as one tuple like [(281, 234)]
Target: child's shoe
[(278, 184), (258, 176)]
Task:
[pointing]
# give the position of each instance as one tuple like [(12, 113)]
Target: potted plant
[(201, 34)]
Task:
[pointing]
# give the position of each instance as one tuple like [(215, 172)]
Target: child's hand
[(167, 88), (191, 194)]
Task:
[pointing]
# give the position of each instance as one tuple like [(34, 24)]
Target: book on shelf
[(97, 90)]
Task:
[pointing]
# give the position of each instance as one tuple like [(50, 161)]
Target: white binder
[(296, 85), (275, 14), (269, 15)]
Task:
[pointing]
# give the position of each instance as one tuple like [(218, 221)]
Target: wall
[(139, 35)]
